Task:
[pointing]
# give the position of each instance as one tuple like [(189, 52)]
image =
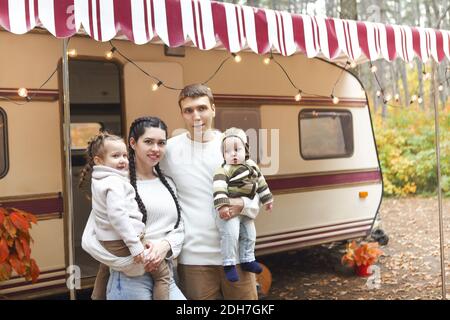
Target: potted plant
[(361, 256), (15, 239)]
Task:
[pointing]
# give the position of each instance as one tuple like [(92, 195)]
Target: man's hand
[(236, 206)]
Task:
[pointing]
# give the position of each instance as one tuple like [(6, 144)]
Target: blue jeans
[(122, 287), (237, 235)]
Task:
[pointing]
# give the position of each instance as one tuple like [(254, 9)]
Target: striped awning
[(207, 25)]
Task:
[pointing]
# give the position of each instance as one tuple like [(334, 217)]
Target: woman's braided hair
[(137, 129), (95, 147)]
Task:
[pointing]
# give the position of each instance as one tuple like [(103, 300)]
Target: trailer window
[(325, 134), (80, 133), (245, 118), (3, 144)]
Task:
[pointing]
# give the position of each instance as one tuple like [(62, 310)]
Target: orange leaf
[(3, 213), (19, 249), (17, 264), (34, 271), (19, 221), (5, 271), (4, 251), (26, 247), (9, 227), (27, 215)]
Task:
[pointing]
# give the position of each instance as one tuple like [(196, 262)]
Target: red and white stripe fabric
[(208, 24)]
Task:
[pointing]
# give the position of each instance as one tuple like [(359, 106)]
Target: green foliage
[(407, 152)]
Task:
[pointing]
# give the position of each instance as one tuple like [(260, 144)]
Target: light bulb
[(414, 97), (109, 55), (353, 64), (427, 76), (237, 57), (374, 69), (155, 86), (22, 92), (388, 97), (441, 87), (266, 60), (397, 97), (298, 96), (420, 100), (335, 99), (378, 93), (72, 53)]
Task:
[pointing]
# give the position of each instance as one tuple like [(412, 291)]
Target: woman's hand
[(156, 253)]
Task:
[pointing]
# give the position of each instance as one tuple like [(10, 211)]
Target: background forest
[(403, 116)]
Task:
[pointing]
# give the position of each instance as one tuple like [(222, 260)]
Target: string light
[(298, 96), (110, 54), (388, 97), (378, 93), (373, 69), (419, 100), (441, 87), (72, 53), (397, 97), (236, 57), (353, 64), (22, 92), (155, 86), (335, 99), (413, 98)]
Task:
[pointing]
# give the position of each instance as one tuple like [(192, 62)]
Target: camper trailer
[(318, 155)]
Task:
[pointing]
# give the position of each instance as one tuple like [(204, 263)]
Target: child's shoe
[(252, 266), (231, 273)]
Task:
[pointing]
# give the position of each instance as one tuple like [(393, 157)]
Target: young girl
[(119, 224)]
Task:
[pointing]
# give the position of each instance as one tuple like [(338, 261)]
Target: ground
[(409, 269)]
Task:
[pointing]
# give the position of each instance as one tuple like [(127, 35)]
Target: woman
[(156, 198)]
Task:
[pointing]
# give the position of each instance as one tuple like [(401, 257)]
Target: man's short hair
[(195, 91)]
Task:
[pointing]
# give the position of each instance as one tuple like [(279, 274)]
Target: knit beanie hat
[(240, 134)]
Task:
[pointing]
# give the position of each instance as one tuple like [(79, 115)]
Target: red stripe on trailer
[(283, 38), (174, 23), (439, 45), (362, 37), (200, 22), (262, 36), (299, 32), (99, 21), (91, 20), (220, 24), (37, 206), (65, 18), (390, 38), (4, 14), (333, 45), (322, 180), (27, 14), (147, 33), (123, 18)]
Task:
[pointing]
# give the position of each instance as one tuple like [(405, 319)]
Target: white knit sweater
[(117, 215), (161, 219), (191, 165)]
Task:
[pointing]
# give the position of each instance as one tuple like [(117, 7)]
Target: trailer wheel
[(380, 236), (263, 281)]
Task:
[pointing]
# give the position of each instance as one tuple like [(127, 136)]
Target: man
[(190, 161)]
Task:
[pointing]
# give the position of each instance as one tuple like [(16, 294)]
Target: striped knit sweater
[(239, 180)]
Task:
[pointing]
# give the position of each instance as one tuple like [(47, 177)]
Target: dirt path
[(409, 269)]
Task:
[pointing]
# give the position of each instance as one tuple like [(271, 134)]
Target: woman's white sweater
[(117, 215)]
